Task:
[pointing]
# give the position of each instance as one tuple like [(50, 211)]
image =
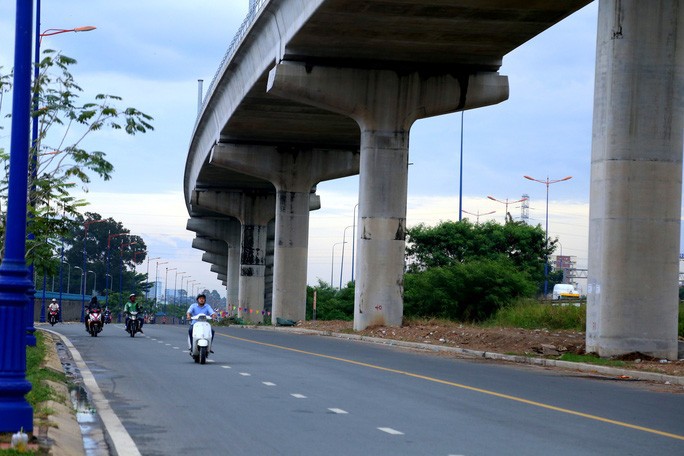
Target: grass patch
[(591, 359), (40, 392), (533, 314), (36, 374)]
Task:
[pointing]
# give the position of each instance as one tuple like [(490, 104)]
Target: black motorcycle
[(133, 324), (107, 317), (53, 317), (95, 322)]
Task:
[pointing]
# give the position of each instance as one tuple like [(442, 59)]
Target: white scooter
[(201, 338)]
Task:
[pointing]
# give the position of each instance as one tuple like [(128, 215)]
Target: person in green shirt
[(133, 306)]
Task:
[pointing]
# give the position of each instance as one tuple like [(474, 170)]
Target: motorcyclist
[(199, 308), (133, 306), (92, 305), (54, 307)]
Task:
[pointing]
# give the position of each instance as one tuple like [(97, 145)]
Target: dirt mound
[(513, 341)]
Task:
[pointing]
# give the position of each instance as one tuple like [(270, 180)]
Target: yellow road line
[(469, 388)]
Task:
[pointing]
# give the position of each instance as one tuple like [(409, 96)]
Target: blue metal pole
[(30, 329), (546, 246), (42, 306), (85, 235), (15, 411), (121, 281), (107, 274), (460, 181), (61, 262)]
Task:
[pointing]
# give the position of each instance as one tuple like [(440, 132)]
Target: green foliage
[(591, 359), (36, 374), (471, 291), (331, 303), (533, 314), (111, 256), (61, 162), (680, 327), (449, 243)]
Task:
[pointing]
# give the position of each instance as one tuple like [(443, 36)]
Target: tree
[(449, 243), (111, 255), (60, 160), (470, 291), (462, 271), (331, 303)]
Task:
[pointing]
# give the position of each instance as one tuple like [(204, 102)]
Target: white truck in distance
[(564, 291)]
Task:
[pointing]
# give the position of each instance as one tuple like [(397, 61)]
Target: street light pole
[(175, 285), (460, 180), (477, 220), (148, 276), (156, 280), (33, 165), (547, 182), (121, 247), (109, 241), (344, 235), (166, 284), (332, 262), (17, 413), (86, 225), (353, 240), (94, 281), (506, 203), (80, 280)]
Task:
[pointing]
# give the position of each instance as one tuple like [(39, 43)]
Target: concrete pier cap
[(384, 103)]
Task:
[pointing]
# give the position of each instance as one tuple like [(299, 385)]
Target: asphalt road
[(276, 393)]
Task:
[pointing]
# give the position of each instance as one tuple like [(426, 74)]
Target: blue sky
[(152, 53)]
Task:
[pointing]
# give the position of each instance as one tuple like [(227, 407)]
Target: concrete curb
[(543, 362), (63, 432)]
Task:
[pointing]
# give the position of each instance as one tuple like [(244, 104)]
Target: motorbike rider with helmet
[(133, 306), (54, 307), (199, 308), (92, 305)]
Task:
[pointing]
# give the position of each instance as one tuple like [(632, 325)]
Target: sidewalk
[(64, 433)]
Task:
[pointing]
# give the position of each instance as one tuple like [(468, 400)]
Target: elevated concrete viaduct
[(309, 89)]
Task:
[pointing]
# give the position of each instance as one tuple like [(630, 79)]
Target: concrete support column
[(290, 255), (293, 172), (384, 104), (382, 228), (636, 187), (225, 231), (252, 269), (254, 212), (233, 279)]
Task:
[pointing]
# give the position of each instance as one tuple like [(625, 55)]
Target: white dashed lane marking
[(226, 367), (338, 411), (245, 374), (298, 396), (390, 431), (269, 383)]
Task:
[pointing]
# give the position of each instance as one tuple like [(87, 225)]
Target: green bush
[(468, 292), (533, 314), (331, 303)]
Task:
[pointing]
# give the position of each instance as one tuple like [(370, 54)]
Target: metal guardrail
[(254, 10)]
